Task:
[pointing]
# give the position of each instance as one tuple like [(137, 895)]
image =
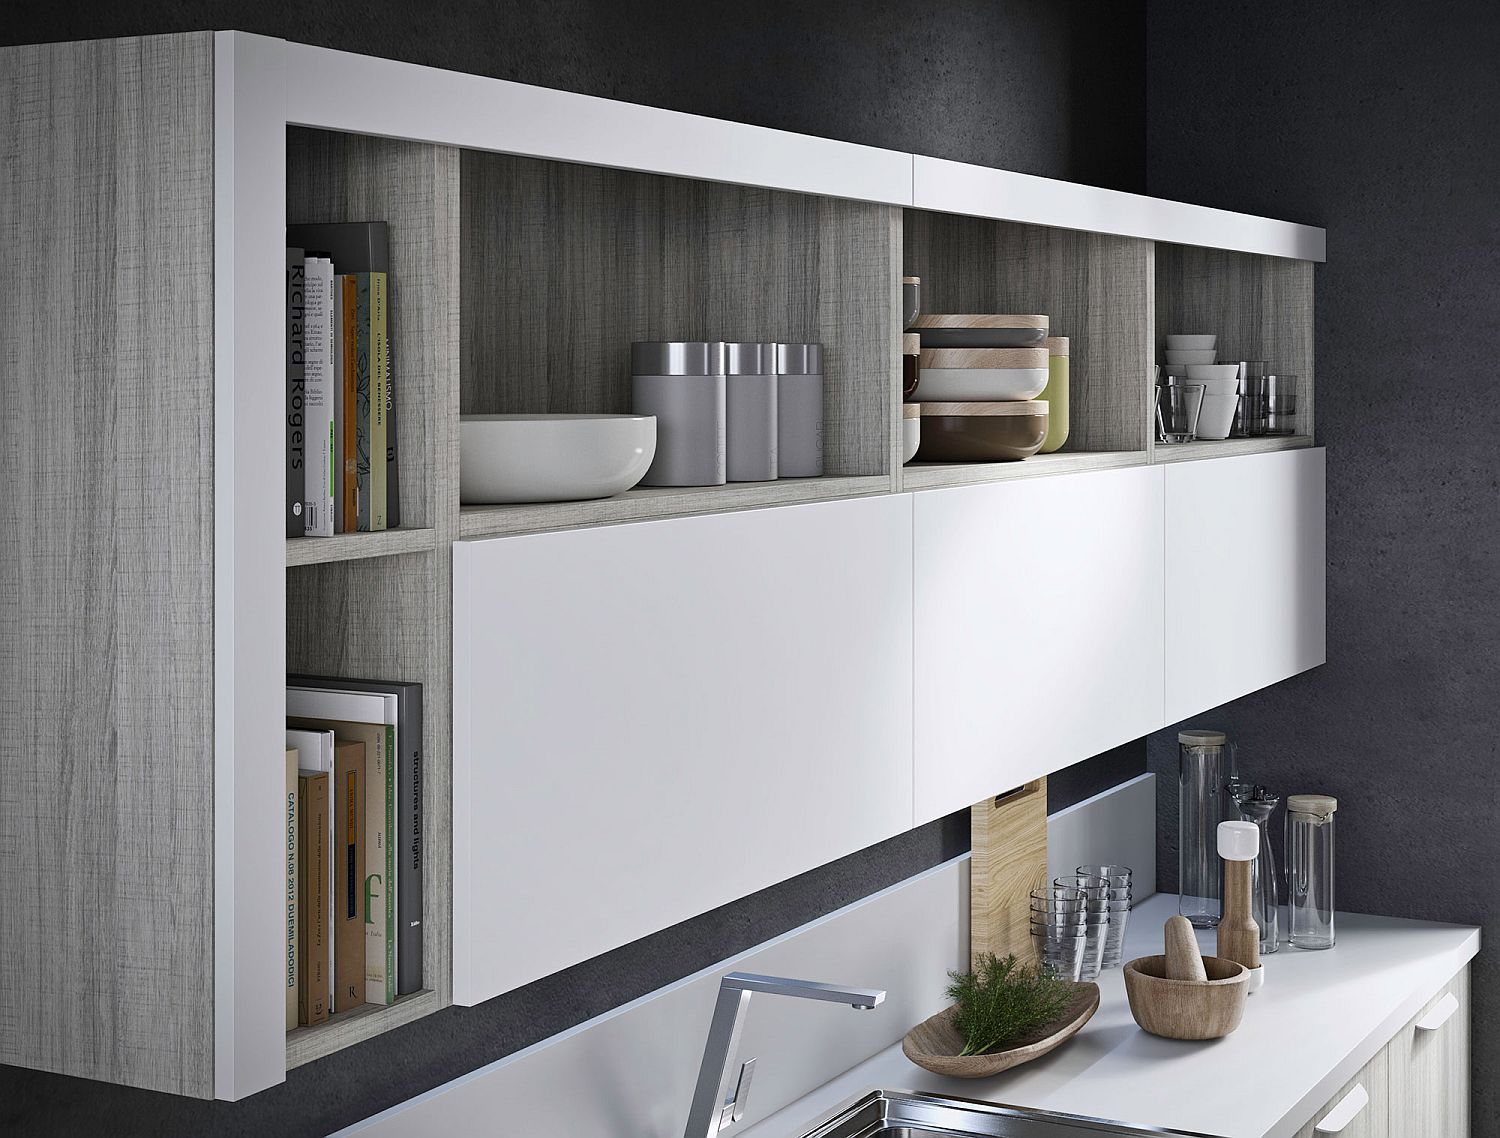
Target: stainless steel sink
[(903, 1114)]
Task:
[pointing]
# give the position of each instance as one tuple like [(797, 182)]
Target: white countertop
[(1318, 1019)]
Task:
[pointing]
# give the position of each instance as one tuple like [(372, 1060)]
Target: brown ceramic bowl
[(981, 330), (982, 432), (1187, 1009)]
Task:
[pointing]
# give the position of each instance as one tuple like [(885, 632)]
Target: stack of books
[(342, 469), (353, 845)]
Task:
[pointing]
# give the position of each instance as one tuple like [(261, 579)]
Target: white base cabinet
[(1245, 573), (1039, 628), (652, 720)]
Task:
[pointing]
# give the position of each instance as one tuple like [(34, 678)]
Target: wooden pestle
[(1184, 961), (1239, 935)]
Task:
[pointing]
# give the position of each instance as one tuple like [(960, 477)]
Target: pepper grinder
[(1239, 935)]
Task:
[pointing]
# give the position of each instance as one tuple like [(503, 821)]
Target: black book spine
[(409, 852), (296, 421)]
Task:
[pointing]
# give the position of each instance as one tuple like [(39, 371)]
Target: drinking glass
[(1281, 404), (1177, 407)]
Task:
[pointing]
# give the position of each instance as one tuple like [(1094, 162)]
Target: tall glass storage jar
[(1309, 871), (1205, 766)]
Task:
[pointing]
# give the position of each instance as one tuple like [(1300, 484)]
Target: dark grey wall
[(1378, 121), (1050, 87), (1043, 86)]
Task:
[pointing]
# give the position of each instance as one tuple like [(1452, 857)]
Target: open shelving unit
[(519, 283)]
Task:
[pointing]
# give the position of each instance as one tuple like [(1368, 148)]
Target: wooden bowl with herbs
[(1005, 1013)]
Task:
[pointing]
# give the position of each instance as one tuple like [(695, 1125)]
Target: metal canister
[(681, 382), (750, 382), (799, 410)]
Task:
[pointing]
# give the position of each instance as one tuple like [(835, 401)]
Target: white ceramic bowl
[(1216, 416), (911, 438), (1195, 356), (1217, 379), (1191, 343), (980, 384), (551, 458)]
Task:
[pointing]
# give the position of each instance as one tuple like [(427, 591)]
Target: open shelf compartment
[(378, 605), (565, 266), (1261, 308), (1096, 289)]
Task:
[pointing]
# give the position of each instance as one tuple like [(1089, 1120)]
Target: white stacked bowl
[(1183, 350)]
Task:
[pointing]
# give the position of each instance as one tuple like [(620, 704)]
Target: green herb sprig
[(1003, 1000)]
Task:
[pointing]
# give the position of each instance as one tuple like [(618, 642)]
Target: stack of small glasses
[(1079, 920)]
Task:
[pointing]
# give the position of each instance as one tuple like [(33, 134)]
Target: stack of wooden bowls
[(978, 382)]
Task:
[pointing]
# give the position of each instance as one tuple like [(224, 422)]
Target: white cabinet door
[(651, 720), (1038, 628), (1245, 575)]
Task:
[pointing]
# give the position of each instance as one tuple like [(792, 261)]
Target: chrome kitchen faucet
[(714, 1108)]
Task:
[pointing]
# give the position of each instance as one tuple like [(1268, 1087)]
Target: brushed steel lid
[(799, 359), (677, 357), (750, 359)]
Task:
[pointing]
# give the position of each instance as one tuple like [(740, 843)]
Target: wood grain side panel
[(106, 581), (564, 266)]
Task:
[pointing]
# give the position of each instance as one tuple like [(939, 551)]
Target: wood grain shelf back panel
[(1098, 290), (564, 266)]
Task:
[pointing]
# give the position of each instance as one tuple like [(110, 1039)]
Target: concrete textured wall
[(1381, 122)]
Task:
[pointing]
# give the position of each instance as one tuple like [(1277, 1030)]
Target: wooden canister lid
[(984, 357), (911, 344), (1057, 345), (980, 320), (1012, 407), (911, 280), (911, 410)]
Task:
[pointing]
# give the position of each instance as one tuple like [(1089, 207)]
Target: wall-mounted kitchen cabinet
[(654, 719), (1039, 632), (1245, 569)]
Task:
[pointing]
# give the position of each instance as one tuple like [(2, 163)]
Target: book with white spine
[(318, 384)]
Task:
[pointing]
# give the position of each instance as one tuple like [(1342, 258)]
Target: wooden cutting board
[(1009, 835)]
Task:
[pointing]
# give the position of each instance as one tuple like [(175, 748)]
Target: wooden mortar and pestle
[(1185, 995)]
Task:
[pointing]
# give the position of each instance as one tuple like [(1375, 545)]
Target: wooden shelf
[(347, 1028), (935, 475), (1224, 448), (356, 546), (662, 502)]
